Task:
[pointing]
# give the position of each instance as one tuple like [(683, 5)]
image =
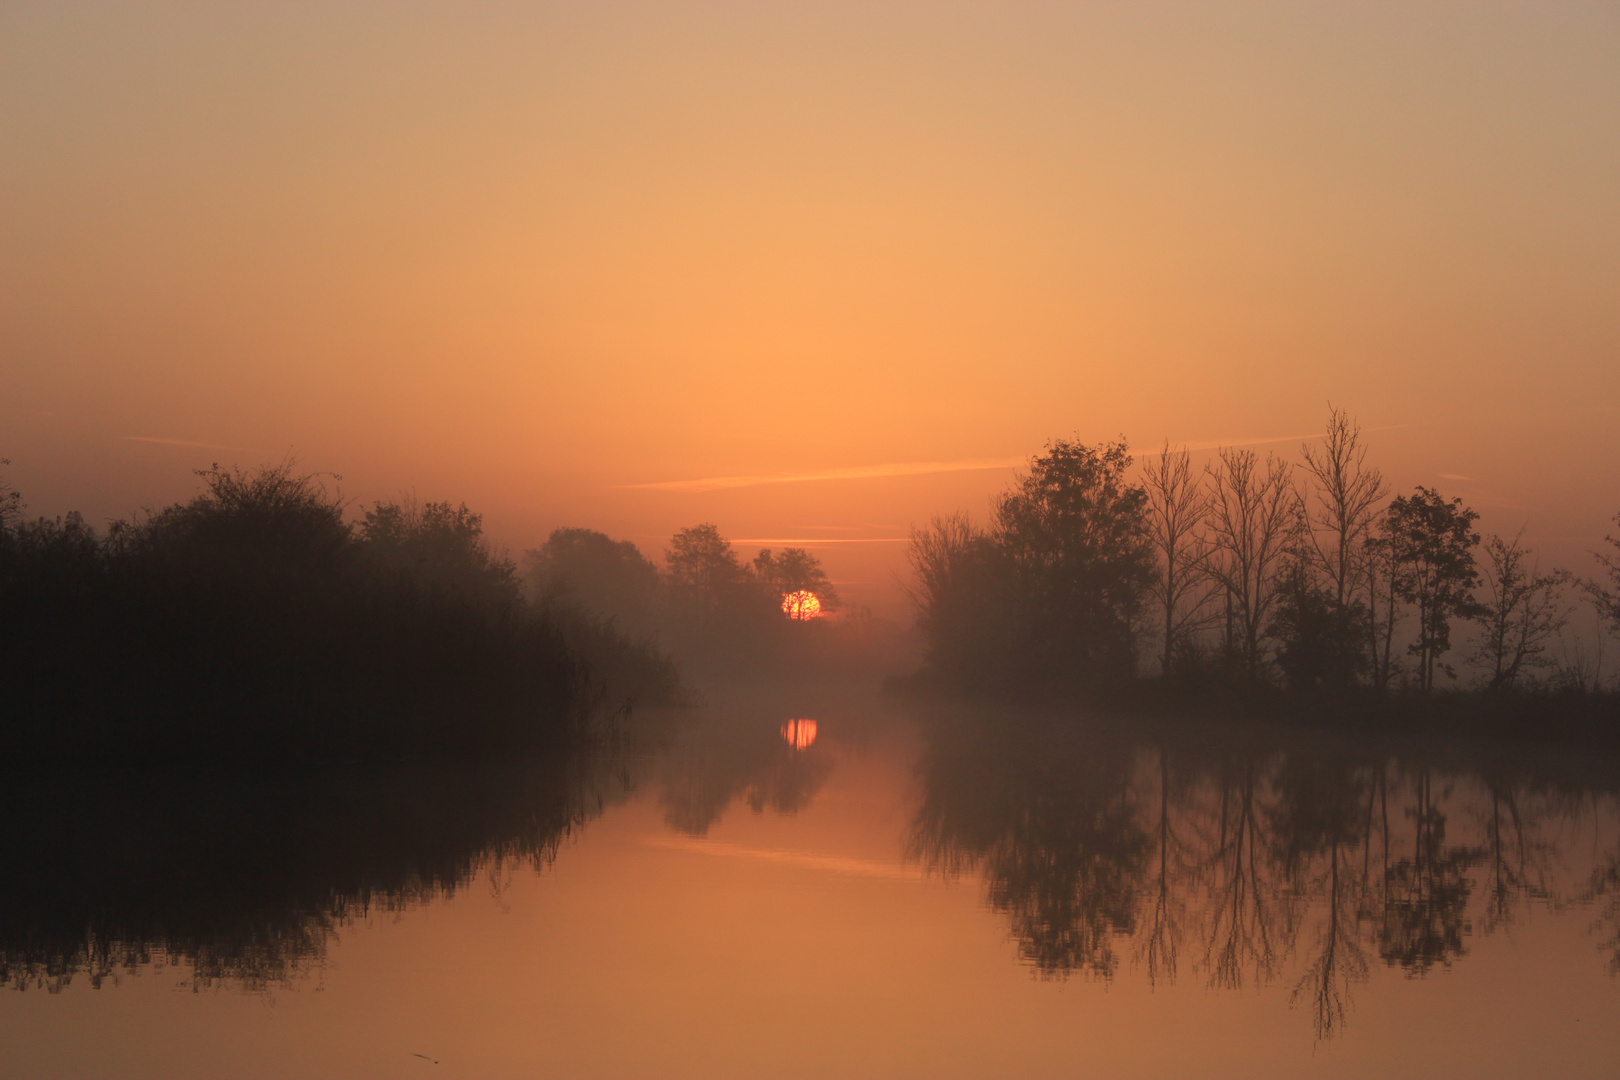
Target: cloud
[(920, 468), (178, 442), (856, 472)]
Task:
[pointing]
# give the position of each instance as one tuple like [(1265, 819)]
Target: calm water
[(895, 891)]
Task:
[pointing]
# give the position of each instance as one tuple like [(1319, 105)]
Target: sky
[(812, 272)]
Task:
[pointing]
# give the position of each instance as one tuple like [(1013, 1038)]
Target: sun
[(803, 604)]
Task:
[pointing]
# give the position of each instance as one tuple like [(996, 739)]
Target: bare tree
[(1337, 507), (1177, 504), (1605, 591), (1521, 613), (1250, 522)]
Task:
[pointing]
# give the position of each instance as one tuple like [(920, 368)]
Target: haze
[(811, 272)]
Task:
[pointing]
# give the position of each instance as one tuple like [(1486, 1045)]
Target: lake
[(820, 881)]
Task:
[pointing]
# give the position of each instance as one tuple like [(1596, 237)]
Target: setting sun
[(802, 604)]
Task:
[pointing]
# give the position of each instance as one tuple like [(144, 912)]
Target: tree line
[(1250, 571), (705, 590)]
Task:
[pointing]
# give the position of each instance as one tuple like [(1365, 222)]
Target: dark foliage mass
[(254, 621)]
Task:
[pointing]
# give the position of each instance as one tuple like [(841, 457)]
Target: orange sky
[(540, 257)]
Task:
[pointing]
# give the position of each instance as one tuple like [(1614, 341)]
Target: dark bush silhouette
[(251, 621)]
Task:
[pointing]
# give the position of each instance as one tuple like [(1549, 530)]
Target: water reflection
[(246, 877), (741, 753), (1249, 857), (799, 734)]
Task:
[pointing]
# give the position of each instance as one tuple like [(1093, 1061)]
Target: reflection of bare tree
[(1249, 924), (1426, 905), (1270, 864), (1167, 907), (1322, 813), (1515, 858)]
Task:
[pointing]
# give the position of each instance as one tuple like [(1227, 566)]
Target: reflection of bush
[(252, 620), (244, 878)]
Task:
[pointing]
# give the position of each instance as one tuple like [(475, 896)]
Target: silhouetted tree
[(607, 577), (709, 588), (1431, 544), (1338, 505), (960, 593), (10, 501), (1605, 589), (1177, 505), (1521, 615), (1384, 613), (1076, 538), (1251, 525), (794, 569)]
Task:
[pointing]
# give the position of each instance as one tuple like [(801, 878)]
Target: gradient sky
[(566, 261)]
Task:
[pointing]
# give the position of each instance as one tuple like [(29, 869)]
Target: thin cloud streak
[(178, 442), (922, 468), (836, 864), (856, 472)]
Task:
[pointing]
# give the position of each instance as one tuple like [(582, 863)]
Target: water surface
[(893, 891)]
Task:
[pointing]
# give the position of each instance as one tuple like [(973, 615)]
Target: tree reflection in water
[(245, 877), (1267, 854)]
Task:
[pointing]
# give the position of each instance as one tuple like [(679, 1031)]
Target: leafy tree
[(608, 577), (1431, 545), (1077, 541), (707, 583), (791, 571), (1522, 613)]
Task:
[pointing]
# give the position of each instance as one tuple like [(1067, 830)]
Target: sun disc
[(802, 604)]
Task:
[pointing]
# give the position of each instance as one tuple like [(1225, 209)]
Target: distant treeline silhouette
[(1250, 573), (255, 620), (717, 613)]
